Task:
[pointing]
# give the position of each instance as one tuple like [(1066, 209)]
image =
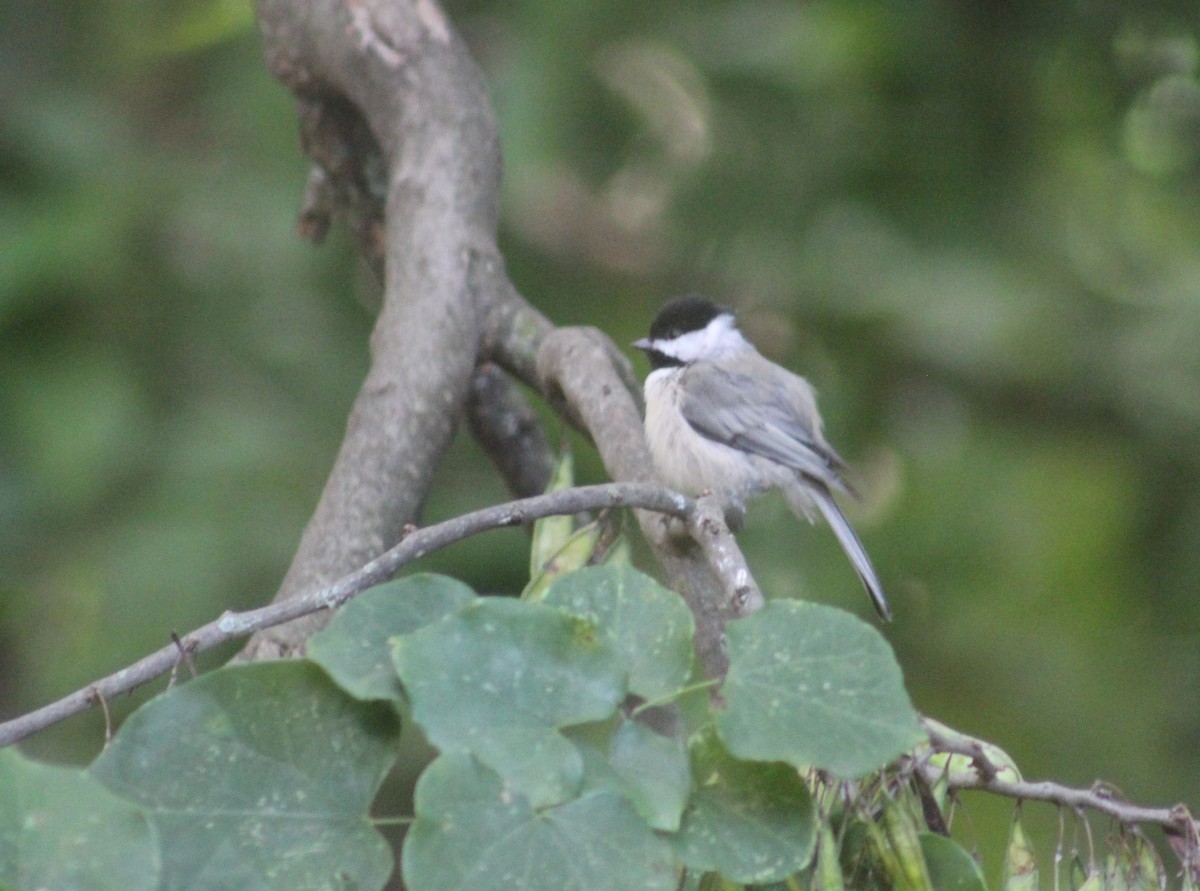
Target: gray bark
[(395, 117)]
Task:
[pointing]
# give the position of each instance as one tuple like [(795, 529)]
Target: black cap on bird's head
[(678, 318), (684, 314)]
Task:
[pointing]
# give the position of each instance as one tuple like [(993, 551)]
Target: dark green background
[(973, 225)]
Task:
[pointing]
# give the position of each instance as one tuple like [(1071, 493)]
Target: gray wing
[(767, 415)]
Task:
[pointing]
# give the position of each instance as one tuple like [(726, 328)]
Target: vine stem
[(675, 696)]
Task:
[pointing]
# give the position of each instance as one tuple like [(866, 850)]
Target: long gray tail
[(853, 547)]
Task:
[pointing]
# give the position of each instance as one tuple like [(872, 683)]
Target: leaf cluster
[(576, 750)]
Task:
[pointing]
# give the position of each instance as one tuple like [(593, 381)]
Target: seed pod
[(1020, 868), (828, 874), (898, 849)]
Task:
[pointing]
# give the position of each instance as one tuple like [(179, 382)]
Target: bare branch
[(986, 775), (1098, 798), (233, 625)]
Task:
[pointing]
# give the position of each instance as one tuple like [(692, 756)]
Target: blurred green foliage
[(975, 226)]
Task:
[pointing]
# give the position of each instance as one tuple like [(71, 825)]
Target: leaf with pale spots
[(473, 831), (499, 677), (354, 646), (649, 625), (750, 821), (59, 828), (814, 686), (258, 776)]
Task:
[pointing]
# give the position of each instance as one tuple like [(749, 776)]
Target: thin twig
[(185, 658), (986, 776), (97, 696), (1067, 796), (233, 625)]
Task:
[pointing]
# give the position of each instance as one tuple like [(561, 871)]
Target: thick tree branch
[(513, 329), (416, 544), (394, 111), (509, 432)]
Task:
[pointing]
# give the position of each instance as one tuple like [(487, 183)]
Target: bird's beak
[(645, 344)]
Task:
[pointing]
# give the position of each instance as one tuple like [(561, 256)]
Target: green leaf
[(575, 553), (354, 646), (619, 553), (649, 625), (558, 548), (655, 771), (814, 686), (472, 831), (951, 868), (499, 677), (552, 534), (749, 820), (59, 828), (258, 776)]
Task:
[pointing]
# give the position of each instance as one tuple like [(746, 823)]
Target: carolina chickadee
[(721, 418)]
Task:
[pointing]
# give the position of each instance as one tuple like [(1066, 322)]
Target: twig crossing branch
[(233, 625)]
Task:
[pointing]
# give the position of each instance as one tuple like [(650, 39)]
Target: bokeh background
[(974, 225)]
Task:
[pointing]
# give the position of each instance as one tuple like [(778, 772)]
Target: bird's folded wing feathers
[(720, 405)]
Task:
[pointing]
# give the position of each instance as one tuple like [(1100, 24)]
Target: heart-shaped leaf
[(258, 776), (814, 686), (751, 821)]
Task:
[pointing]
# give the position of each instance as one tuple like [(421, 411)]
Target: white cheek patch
[(713, 341)]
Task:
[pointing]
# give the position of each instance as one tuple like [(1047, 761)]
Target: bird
[(722, 419)]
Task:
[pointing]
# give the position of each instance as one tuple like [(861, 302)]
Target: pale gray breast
[(688, 460)]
